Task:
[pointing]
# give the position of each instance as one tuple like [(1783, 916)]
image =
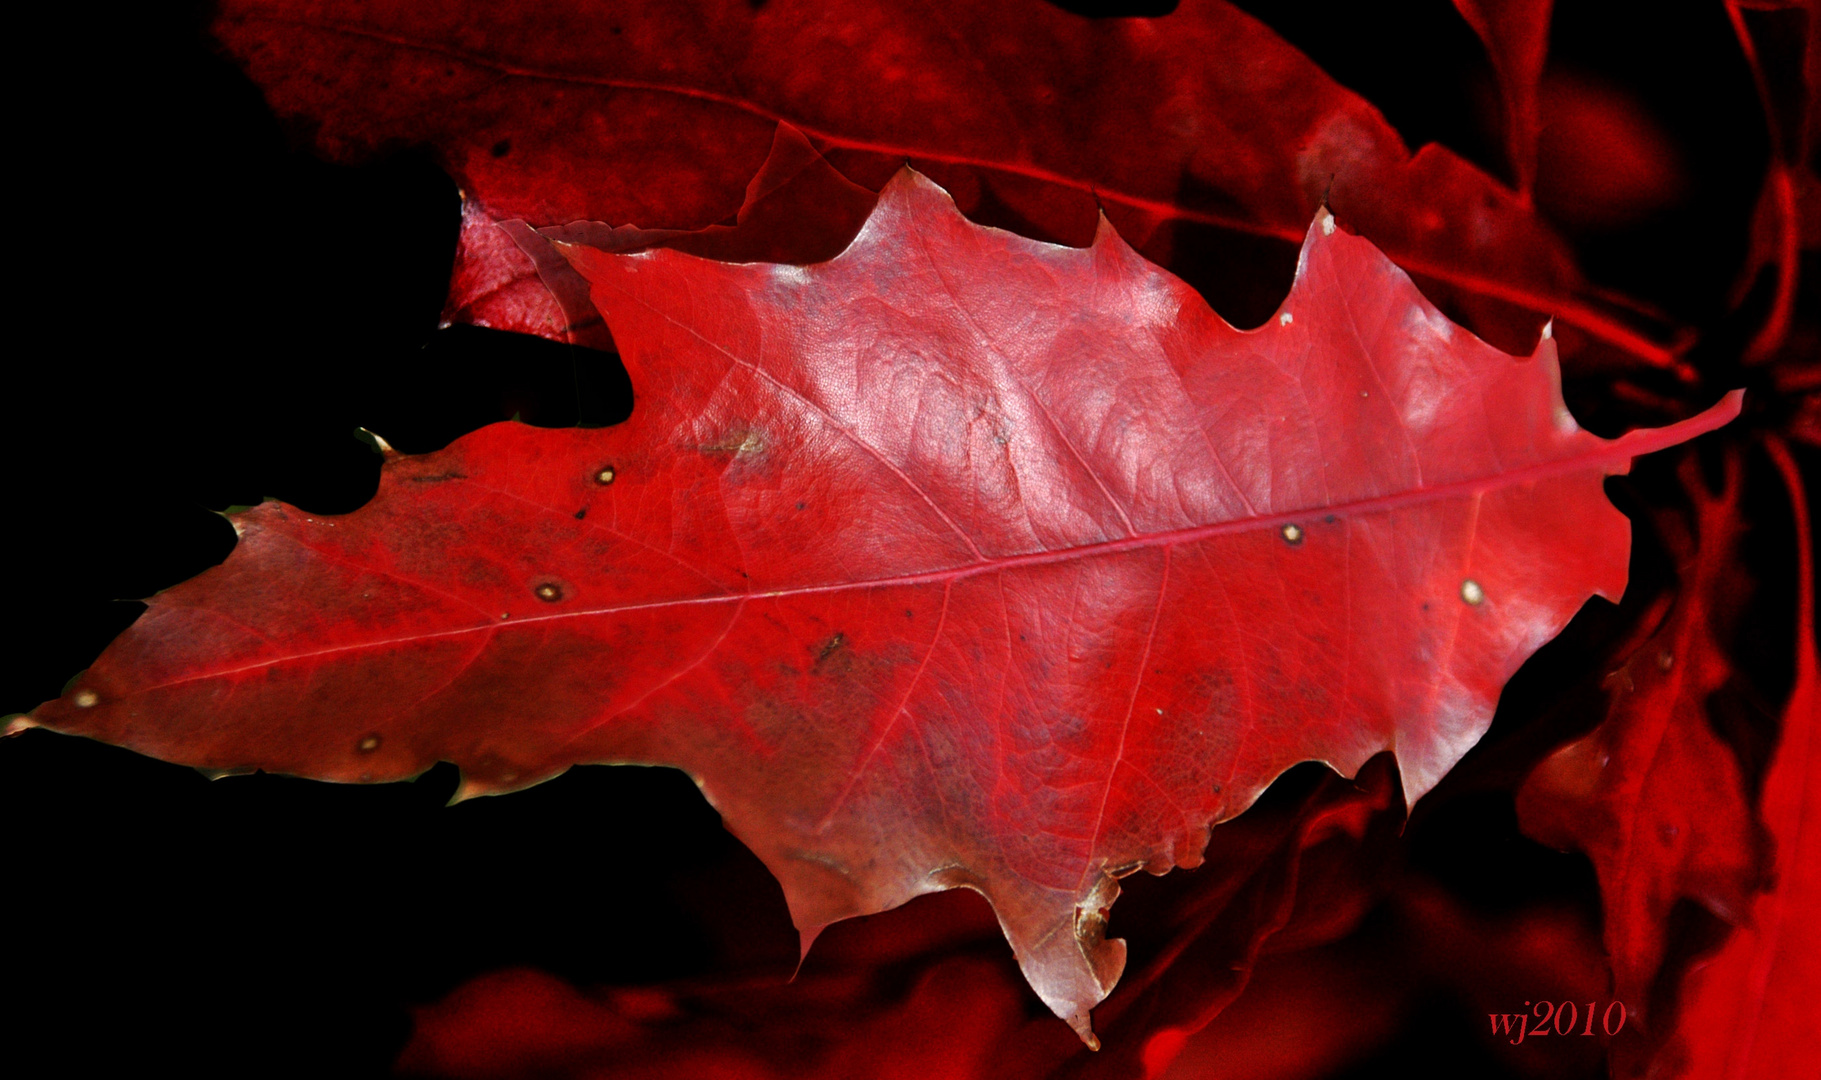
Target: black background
[(208, 312)]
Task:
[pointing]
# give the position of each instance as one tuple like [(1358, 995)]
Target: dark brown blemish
[(829, 646), (437, 478), (582, 513)]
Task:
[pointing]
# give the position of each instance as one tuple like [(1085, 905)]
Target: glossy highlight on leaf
[(958, 560)]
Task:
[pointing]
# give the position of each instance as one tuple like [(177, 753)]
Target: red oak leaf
[(1750, 1010), (1199, 130), (960, 560), (1652, 795)]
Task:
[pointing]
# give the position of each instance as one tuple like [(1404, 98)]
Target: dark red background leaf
[(1653, 795), (1749, 1010), (1199, 133), (1516, 36)]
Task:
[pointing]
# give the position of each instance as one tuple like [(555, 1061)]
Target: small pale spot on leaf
[(1293, 534), (1472, 593), (548, 592), (86, 699), (604, 475), (368, 744), (1285, 319)]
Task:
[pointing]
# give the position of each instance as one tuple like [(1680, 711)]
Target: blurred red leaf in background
[(1653, 795), (923, 990), (1516, 36), (1750, 1008)]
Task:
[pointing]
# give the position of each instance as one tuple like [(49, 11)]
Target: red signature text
[(1558, 1018)]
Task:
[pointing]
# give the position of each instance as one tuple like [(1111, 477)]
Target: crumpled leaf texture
[(959, 560)]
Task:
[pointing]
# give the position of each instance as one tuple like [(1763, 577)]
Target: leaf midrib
[(1604, 456)]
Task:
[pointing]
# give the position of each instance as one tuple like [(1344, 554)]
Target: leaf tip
[(1085, 1028), (17, 723), (1104, 232), (469, 788), (1649, 440), (908, 187), (806, 937), (376, 443)]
